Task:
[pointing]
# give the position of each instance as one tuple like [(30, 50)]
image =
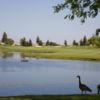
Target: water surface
[(45, 76)]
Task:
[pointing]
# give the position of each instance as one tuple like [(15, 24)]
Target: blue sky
[(32, 18)]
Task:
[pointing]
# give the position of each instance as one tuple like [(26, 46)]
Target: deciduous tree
[(82, 9)]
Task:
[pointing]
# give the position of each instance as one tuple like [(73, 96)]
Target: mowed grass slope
[(54, 97), (79, 53)]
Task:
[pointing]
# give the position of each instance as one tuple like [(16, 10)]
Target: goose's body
[(98, 88), (83, 87)]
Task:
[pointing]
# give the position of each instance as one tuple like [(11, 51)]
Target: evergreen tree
[(37, 40), (4, 37), (85, 41), (81, 42), (30, 42), (75, 43), (65, 43), (47, 42), (23, 42)]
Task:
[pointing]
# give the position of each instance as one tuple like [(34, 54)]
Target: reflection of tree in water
[(6, 54), (3, 66), (22, 55), (25, 55)]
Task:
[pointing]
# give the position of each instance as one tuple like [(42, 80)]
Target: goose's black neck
[(79, 80)]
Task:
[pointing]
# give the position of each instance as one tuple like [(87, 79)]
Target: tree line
[(24, 42), (93, 41)]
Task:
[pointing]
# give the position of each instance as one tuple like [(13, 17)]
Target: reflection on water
[(6, 54), (45, 76)]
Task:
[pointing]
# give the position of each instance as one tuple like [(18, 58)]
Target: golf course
[(60, 52), (50, 50)]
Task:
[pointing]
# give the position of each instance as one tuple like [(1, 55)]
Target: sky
[(32, 18)]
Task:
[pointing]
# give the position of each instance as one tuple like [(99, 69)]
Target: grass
[(73, 53), (53, 97)]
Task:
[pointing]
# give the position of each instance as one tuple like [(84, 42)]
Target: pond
[(45, 76)]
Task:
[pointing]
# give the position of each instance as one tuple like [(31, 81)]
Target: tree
[(47, 42), (81, 42), (38, 41), (50, 43), (30, 42), (94, 41), (9, 41), (4, 37), (65, 43), (85, 41), (23, 41), (97, 31), (75, 43), (6, 40), (81, 9)]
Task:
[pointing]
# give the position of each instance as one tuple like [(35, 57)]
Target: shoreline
[(53, 97), (62, 53), (53, 58)]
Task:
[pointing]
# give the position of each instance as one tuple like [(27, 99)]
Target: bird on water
[(83, 87)]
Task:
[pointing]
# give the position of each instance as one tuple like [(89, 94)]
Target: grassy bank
[(55, 97), (79, 53)]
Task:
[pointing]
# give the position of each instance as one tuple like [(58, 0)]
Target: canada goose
[(98, 88), (83, 87)]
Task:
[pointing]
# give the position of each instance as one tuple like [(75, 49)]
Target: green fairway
[(73, 53), (53, 97)]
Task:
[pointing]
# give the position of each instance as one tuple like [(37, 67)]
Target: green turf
[(80, 53), (53, 97)]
